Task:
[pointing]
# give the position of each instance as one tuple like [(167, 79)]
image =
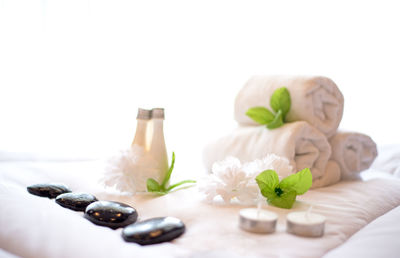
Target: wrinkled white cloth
[(32, 226), (389, 163), (315, 99), (303, 145), (373, 240), (354, 152)]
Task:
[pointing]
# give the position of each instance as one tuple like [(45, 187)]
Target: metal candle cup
[(257, 220), (305, 224)]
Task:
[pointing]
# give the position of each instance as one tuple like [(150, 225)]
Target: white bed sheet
[(32, 226), (380, 238)]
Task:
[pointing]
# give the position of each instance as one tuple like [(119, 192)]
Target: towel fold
[(353, 152), (331, 176), (303, 145), (316, 100)]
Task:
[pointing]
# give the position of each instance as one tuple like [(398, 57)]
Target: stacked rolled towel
[(353, 152), (303, 145), (316, 100), (310, 139)]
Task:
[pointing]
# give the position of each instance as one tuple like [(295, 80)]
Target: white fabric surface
[(303, 145), (388, 160), (330, 177), (316, 100), (381, 234), (4, 254), (354, 152), (32, 226)]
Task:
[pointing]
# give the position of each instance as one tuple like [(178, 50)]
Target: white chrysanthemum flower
[(209, 185), (229, 181), (129, 171), (272, 161), (232, 180)]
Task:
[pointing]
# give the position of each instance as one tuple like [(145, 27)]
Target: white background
[(73, 73)]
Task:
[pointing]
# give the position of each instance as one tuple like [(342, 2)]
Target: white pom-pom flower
[(129, 171), (233, 181), (228, 181), (272, 161)]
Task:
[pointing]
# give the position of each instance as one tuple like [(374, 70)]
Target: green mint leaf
[(277, 122), (181, 183), (299, 182), (153, 185), (280, 100), (267, 181), (168, 175), (260, 114), (285, 200)]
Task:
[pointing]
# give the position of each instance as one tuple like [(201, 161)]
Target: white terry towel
[(331, 176), (316, 100), (353, 152), (303, 145)]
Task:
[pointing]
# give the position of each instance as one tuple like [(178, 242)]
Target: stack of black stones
[(113, 215)]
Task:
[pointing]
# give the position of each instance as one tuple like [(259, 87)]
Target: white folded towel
[(316, 100), (353, 152), (303, 145), (330, 177)]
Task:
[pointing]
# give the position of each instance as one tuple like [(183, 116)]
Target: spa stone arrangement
[(113, 215), (287, 142)]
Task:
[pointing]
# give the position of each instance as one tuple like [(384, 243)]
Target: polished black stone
[(75, 201), (48, 190), (153, 231), (111, 214)]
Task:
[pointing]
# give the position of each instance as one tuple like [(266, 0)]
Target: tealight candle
[(257, 220), (305, 223)]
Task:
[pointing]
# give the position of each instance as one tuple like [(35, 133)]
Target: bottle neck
[(158, 148), (140, 136), (158, 123), (158, 132)]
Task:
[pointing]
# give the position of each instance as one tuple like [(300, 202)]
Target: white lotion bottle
[(158, 150), (143, 117), (140, 146)]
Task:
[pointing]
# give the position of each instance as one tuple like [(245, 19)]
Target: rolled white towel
[(353, 152), (316, 100), (330, 177), (303, 145)]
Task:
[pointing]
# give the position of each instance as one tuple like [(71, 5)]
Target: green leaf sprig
[(283, 194), (280, 102), (162, 189)]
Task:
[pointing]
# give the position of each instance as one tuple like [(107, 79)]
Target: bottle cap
[(143, 114), (157, 113)]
